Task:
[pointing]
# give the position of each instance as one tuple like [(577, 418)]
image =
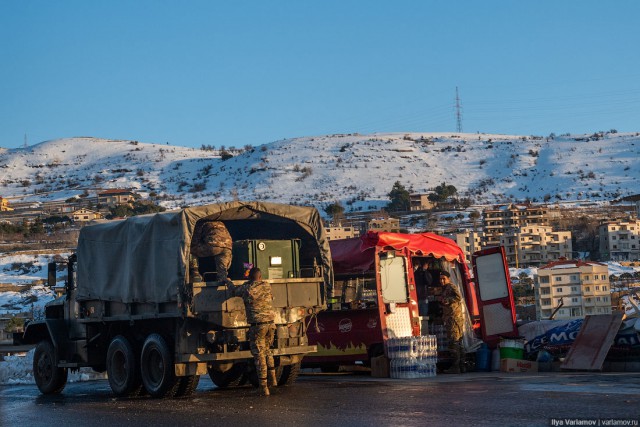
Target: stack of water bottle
[(413, 357)]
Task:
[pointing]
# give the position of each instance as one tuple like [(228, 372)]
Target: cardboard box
[(517, 365), (380, 367)]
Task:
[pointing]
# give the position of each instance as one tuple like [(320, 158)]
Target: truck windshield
[(393, 279)]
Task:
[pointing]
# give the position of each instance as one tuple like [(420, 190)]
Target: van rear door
[(495, 294)]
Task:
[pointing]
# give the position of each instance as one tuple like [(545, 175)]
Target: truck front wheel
[(49, 378), (124, 377), (235, 376), (156, 367)]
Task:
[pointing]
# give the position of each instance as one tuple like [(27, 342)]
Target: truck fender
[(47, 329)]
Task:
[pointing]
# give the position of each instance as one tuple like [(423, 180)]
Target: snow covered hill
[(357, 170)]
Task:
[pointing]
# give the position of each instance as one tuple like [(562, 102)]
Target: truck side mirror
[(51, 276)]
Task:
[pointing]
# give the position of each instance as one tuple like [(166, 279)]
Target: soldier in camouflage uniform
[(258, 304), (452, 313), (211, 239)]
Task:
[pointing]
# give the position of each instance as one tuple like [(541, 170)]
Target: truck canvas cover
[(144, 259)]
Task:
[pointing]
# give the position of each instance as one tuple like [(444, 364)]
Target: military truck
[(131, 309)]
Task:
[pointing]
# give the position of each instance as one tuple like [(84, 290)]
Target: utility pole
[(458, 113), (25, 141)]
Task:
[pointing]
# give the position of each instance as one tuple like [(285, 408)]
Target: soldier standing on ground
[(258, 304), (211, 239), (452, 313)]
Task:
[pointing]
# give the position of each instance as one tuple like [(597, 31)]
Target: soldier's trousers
[(222, 259), (261, 339), (455, 331)]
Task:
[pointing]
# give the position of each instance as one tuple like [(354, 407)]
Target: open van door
[(495, 295)]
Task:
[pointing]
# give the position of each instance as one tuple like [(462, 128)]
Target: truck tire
[(288, 374), (49, 378), (236, 376), (187, 385), (156, 367), (122, 369)]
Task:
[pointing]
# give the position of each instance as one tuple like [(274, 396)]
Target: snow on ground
[(357, 170), (529, 271), (28, 271), (18, 370), (617, 269)]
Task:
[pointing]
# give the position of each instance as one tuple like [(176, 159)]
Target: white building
[(574, 288), (339, 232), (536, 245), (620, 240), (469, 241)]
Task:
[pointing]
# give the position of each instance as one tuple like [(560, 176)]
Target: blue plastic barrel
[(483, 359)]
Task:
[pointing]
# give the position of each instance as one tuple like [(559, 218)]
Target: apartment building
[(502, 219), (620, 240), (574, 288), (470, 241), (338, 232), (536, 245)]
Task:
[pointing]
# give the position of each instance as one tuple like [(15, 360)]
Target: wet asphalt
[(477, 399)]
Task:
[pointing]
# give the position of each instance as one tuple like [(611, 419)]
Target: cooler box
[(277, 259)]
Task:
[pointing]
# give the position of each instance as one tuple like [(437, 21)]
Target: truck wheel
[(187, 385), (232, 378), (289, 374), (156, 367), (49, 378), (124, 377)]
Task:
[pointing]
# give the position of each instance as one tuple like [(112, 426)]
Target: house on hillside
[(4, 205), (391, 225), (84, 215), (338, 232), (115, 197), (420, 202)]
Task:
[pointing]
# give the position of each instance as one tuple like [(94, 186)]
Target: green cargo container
[(278, 259)]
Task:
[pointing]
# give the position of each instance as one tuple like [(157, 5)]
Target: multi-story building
[(620, 240), (115, 197), (501, 219), (420, 202), (573, 288), (391, 225), (338, 232), (470, 241), (536, 245)]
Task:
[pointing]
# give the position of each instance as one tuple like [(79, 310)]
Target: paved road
[(490, 399)]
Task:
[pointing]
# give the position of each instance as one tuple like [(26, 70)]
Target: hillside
[(357, 170)]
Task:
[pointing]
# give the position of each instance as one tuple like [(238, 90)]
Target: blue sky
[(249, 72)]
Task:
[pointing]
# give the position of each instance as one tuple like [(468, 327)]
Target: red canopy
[(356, 255)]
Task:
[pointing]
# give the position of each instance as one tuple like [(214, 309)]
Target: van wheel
[(156, 367), (234, 377), (124, 377), (49, 378), (187, 385)]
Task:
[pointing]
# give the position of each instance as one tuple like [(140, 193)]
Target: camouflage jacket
[(209, 236), (258, 300), (451, 302)]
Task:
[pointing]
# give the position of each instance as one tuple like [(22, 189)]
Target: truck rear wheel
[(49, 378), (124, 377), (288, 373), (156, 367), (233, 377), (187, 385)]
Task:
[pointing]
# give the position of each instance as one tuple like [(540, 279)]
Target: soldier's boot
[(263, 390), (273, 381), (454, 351), (194, 272)]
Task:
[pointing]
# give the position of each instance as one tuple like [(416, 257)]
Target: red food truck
[(375, 296)]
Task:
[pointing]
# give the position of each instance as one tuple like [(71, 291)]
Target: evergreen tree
[(399, 197)]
